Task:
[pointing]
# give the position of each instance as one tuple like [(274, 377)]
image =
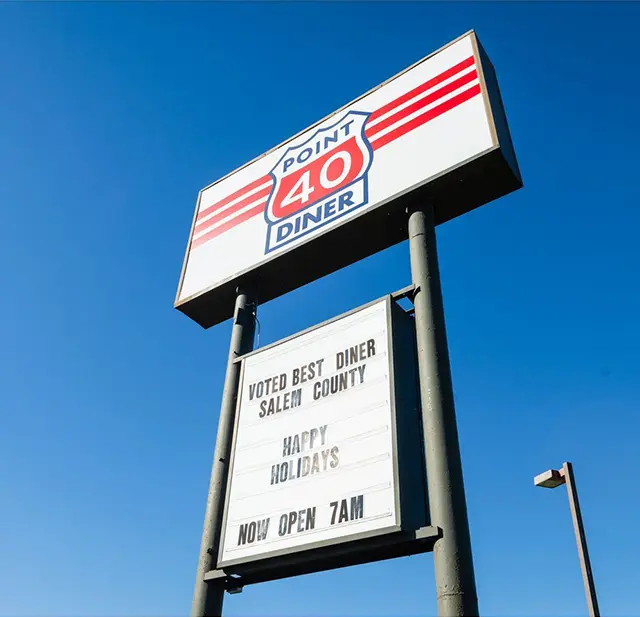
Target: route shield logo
[(319, 181)]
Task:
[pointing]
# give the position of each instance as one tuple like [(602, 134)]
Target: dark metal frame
[(390, 546), (410, 535)]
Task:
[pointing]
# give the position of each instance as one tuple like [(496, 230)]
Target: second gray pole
[(208, 596), (581, 539), (453, 560)]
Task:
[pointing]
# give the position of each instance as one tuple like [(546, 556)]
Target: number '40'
[(306, 184)]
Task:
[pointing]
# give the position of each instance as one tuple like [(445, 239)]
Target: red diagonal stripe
[(238, 193), (260, 195), (426, 116), (371, 132), (423, 102), (228, 225), (438, 79)]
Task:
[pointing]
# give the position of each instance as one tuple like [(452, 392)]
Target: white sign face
[(313, 454), (427, 121)]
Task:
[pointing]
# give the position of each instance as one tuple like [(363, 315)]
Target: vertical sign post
[(208, 596), (455, 580)]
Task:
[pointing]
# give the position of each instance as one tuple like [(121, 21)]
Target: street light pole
[(556, 477)]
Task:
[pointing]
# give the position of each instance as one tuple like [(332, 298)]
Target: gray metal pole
[(455, 579), (208, 597), (581, 539)]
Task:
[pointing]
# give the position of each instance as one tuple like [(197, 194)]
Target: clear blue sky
[(114, 115)]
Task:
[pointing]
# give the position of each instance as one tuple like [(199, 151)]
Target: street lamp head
[(549, 479)]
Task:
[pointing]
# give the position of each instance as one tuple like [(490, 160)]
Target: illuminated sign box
[(327, 445), (337, 192)]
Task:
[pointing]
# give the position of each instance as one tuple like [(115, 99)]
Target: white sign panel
[(313, 458), (426, 122)]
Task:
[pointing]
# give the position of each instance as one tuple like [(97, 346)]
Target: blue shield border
[(363, 176)]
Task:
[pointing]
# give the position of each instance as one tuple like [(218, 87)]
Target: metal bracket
[(405, 292), (408, 292), (407, 543), (233, 583)]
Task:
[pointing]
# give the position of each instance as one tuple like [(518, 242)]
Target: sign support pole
[(208, 596), (455, 579)]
